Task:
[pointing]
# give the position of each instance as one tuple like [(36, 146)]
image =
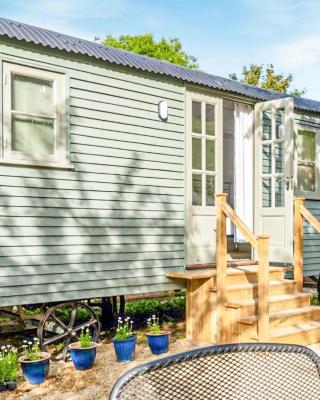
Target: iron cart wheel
[(62, 325)]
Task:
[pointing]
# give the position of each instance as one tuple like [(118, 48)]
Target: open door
[(274, 125), (204, 150)]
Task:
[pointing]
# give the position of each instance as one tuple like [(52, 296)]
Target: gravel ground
[(66, 383)]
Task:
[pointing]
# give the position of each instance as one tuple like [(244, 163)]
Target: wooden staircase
[(244, 303), (292, 318)]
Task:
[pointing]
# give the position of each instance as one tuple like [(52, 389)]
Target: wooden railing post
[(263, 289), (298, 244), (221, 257)]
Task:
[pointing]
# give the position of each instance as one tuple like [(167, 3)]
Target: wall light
[(163, 110)]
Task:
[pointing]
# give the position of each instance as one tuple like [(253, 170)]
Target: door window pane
[(210, 119), (279, 159), (266, 125), (196, 154), (196, 190), (279, 192), (32, 95), (306, 146), (196, 117), (210, 190), (266, 159), (33, 135), (306, 178), (279, 124), (210, 155), (266, 192)]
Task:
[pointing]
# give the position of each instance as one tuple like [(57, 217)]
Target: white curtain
[(243, 166)]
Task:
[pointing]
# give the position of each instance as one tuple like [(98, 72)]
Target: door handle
[(289, 182)]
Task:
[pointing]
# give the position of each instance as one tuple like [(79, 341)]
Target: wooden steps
[(292, 319), (304, 334)]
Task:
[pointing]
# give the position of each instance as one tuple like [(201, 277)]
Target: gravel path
[(66, 383)]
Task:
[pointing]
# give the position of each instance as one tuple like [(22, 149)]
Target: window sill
[(37, 164)]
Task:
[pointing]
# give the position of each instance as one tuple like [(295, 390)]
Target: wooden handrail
[(223, 211), (301, 213), (240, 225)]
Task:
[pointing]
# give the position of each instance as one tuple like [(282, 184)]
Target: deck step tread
[(272, 299), (294, 329), (282, 314), (255, 284)]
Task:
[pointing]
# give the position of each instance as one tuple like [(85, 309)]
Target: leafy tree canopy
[(167, 50), (266, 77)]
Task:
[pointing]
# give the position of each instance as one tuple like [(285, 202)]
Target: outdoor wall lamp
[(163, 110)]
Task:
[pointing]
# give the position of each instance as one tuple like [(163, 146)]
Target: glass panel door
[(274, 176), (203, 174)]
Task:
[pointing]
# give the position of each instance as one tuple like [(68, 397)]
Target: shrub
[(170, 309), (8, 364)]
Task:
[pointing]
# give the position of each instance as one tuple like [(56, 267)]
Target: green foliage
[(166, 50), (85, 338), (314, 301), (153, 325), (124, 329), (170, 309), (31, 349), (8, 364), (266, 77)]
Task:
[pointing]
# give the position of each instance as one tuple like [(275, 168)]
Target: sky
[(223, 35)]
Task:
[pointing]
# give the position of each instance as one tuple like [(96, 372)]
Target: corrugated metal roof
[(54, 40)]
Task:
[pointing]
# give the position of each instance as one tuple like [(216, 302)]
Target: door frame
[(202, 210)]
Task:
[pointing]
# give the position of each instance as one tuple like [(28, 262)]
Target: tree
[(266, 77), (167, 50)]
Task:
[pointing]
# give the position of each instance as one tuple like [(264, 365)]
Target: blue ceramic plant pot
[(158, 343), (36, 371), (125, 349), (83, 357)]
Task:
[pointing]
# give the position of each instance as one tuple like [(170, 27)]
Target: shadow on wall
[(100, 230)]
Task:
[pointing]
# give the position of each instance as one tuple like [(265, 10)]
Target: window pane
[(279, 159), (196, 117), (279, 192), (210, 155), (266, 192), (32, 95), (279, 119), (266, 125), (306, 178), (266, 159), (306, 146), (33, 135), (210, 190), (196, 153), (196, 190), (210, 119)]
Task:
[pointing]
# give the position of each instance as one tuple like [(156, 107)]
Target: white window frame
[(316, 192), (59, 90)]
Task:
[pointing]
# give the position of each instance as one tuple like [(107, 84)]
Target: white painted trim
[(59, 116)]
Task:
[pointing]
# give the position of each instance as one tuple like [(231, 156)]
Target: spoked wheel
[(62, 325)]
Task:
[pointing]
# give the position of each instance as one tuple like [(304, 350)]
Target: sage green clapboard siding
[(115, 224), (311, 243)]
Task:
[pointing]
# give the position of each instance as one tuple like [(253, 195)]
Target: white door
[(203, 174), (274, 124)]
